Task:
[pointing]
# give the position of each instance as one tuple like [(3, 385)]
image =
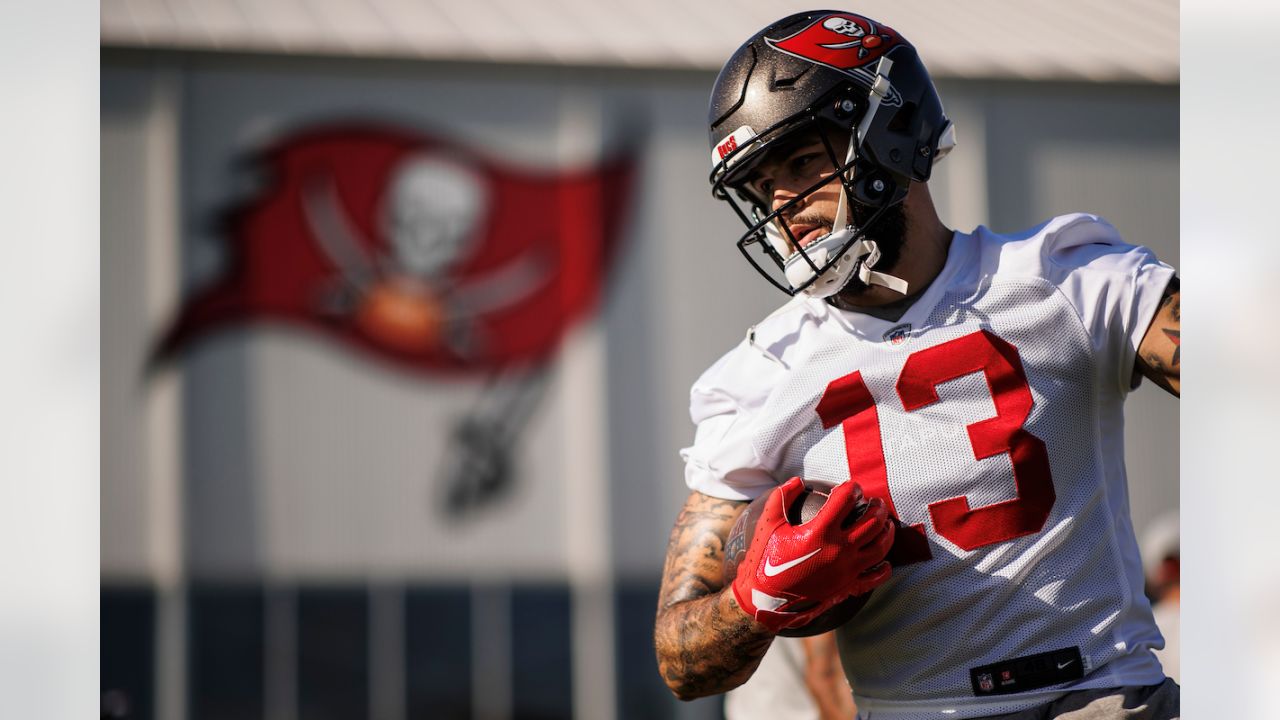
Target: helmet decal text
[(731, 142)]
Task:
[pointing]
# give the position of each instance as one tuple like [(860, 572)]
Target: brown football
[(801, 511)]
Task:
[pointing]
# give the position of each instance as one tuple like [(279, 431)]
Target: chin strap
[(865, 252), (868, 254)]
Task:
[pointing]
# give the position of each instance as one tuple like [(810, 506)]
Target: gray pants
[(1155, 702)]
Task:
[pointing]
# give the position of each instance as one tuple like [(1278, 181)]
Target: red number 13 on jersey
[(848, 403)]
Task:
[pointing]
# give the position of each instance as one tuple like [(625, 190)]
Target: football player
[(967, 386)]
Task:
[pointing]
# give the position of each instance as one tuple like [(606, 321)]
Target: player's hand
[(793, 573)]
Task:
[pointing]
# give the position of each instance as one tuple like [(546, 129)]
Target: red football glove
[(793, 573)]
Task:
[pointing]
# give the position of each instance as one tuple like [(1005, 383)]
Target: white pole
[(491, 651), (166, 541), (280, 628), (583, 386), (386, 650)]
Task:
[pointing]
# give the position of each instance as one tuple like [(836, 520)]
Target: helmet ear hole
[(901, 121), (872, 188), (846, 107)]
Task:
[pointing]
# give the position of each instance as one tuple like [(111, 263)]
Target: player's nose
[(782, 194)]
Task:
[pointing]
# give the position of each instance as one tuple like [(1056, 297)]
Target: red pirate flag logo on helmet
[(415, 249), (842, 41)]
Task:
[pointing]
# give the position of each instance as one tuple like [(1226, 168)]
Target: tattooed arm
[(1158, 354), (706, 644)]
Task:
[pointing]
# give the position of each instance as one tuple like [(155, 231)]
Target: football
[(801, 511)]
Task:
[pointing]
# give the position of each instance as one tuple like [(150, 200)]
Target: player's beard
[(889, 232)]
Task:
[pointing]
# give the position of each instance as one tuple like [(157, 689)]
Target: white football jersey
[(990, 418)]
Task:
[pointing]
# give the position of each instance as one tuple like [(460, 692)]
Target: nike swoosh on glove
[(791, 574)]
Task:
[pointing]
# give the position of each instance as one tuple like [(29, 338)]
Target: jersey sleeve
[(1114, 287), (723, 403)]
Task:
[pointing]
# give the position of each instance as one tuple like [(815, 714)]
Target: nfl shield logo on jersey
[(985, 682), (898, 334)]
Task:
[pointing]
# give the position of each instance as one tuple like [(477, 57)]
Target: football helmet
[(862, 87)]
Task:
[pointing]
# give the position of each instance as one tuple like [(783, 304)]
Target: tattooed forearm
[(1172, 300), (708, 646), (704, 642), (1175, 337), (1160, 354)]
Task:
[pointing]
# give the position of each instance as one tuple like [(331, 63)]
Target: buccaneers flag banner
[(416, 249)]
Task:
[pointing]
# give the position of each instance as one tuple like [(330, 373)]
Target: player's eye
[(803, 163), (760, 187)]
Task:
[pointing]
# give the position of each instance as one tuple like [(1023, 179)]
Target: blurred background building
[(302, 521)]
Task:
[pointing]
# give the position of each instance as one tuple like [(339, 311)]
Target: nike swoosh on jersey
[(770, 569), (1062, 665)]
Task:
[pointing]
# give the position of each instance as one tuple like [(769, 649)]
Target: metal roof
[(1101, 40)]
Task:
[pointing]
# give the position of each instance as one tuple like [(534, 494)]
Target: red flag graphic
[(416, 249), (843, 41)]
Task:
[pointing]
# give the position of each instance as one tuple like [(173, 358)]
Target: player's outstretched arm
[(1158, 355), (705, 643)]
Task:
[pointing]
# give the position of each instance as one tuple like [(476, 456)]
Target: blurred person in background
[(969, 385), (799, 678), (1160, 562)]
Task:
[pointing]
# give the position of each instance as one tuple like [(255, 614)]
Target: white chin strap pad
[(871, 277), (858, 259)]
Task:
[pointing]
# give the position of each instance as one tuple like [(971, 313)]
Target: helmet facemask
[(863, 88), (825, 266)]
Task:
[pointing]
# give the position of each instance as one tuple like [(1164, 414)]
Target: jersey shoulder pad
[(779, 335), (1051, 248), (742, 378)]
